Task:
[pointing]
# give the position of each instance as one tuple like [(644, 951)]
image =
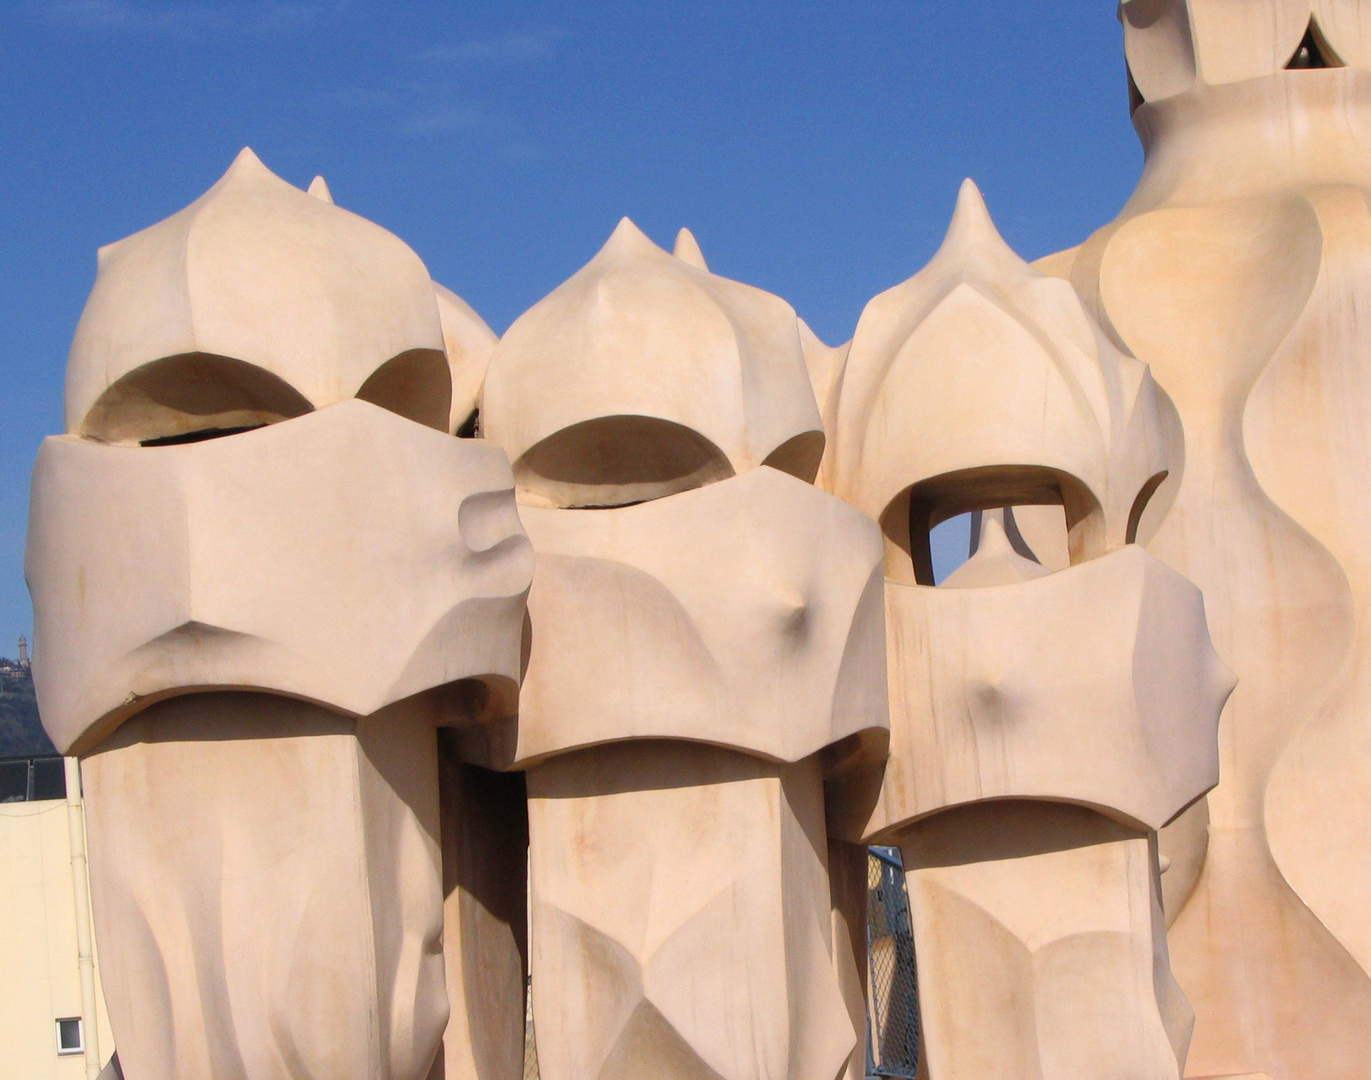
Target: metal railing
[(892, 1012)]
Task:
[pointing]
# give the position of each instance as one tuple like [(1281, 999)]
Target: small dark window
[(49, 779), (14, 781), (471, 426), (1313, 52), (69, 1040)]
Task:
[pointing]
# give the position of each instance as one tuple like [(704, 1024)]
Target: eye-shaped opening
[(618, 461), (190, 397), (416, 385), (198, 396), (1313, 51), (799, 456), (911, 516)]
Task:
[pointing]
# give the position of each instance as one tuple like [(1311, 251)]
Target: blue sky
[(814, 148)]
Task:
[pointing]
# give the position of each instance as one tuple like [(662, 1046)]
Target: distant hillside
[(21, 734)]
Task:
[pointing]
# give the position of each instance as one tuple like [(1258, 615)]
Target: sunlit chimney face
[(1174, 45)]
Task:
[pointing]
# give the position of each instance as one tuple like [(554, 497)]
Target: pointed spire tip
[(627, 235), (971, 203), (247, 156), (248, 164), (972, 231), (688, 250)]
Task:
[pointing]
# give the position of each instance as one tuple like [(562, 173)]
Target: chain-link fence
[(892, 1026), (892, 1016)]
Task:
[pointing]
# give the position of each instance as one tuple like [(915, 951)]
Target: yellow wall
[(39, 976)]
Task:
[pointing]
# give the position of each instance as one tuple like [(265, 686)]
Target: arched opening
[(909, 522), (189, 398), (799, 455), (1144, 497), (618, 461), (416, 385)]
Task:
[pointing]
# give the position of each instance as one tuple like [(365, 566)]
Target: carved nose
[(794, 611)]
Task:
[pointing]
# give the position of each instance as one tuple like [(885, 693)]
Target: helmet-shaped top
[(981, 383), (267, 301), (645, 375)]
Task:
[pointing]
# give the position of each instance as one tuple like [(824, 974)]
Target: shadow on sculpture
[(614, 687)]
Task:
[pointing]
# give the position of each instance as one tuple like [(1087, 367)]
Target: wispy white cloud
[(446, 119), (445, 98), (417, 108), (184, 19), (440, 108), (513, 47)]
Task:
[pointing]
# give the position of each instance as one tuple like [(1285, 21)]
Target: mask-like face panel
[(664, 435)]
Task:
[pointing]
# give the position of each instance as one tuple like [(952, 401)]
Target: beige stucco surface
[(38, 944), (1237, 272), (1045, 719), (377, 720)]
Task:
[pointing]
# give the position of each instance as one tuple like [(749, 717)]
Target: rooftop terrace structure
[(404, 662)]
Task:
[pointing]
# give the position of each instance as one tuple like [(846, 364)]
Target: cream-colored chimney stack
[(706, 661), (1237, 272), (264, 576), (1028, 708)]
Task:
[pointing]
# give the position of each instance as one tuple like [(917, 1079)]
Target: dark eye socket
[(198, 396), (189, 398), (619, 460)]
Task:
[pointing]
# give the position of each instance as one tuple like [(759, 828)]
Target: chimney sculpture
[(281, 617), (264, 575), (706, 648), (1238, 272), (1043, 725)]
